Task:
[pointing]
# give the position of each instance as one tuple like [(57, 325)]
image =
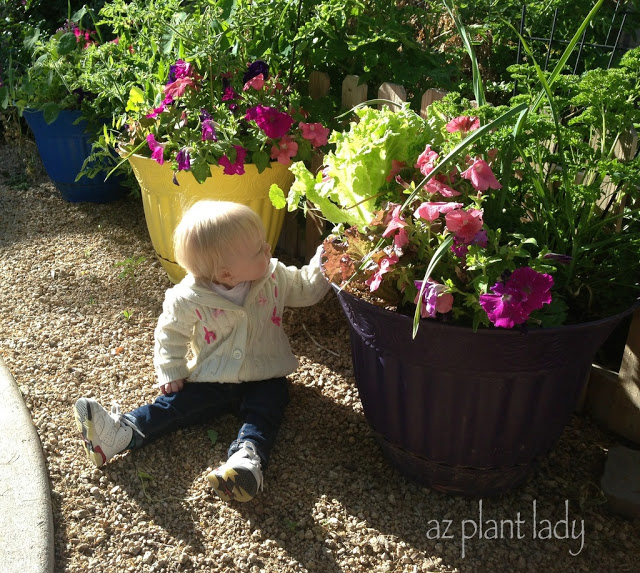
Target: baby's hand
[(171, 387)]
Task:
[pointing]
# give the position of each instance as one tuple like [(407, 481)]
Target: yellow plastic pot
[(165, 203)]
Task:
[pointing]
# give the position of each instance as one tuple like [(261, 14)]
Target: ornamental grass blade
[(432, 264), (478, 89), (566, 54)]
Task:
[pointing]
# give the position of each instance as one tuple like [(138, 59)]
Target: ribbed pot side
[(466, 412), (63, 147)]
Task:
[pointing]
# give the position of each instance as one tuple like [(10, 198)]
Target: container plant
[(481, 256), (65, 118), (215, 123)]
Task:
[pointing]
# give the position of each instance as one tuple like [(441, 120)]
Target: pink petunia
[(237, 167), (464, 224), (274, 123), (396, 222), (177, 88), (373, 282), (463, 123), (481, 176), (436, 186), (401, 238), (284, 150), (426, 161), (315, 133), (256, 82), (157, 149), (431, 210)]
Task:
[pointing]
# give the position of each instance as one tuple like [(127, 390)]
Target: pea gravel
[(71, 325)]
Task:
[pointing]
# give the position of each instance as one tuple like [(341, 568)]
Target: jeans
[(260, 406)]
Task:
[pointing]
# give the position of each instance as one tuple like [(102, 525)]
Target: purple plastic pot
[(464, 412)]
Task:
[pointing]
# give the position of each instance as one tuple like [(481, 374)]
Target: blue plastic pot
[(63, 147), (464, 412)]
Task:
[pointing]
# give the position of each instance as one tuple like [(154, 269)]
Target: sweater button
[(237, 354)]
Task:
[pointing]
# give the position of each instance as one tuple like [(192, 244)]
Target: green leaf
[(30, 41), (261, 160), (144, 475), (136, 97), (50, 112), (213, 436), (67, 44), (276, 196), (79, 15), (201, 170)]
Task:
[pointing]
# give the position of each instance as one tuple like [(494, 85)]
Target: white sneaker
[(240, 477), (104, 434)]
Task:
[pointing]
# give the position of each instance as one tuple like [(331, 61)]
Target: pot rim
[(491, 331)]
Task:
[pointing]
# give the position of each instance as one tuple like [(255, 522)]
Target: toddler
[(228, 312)]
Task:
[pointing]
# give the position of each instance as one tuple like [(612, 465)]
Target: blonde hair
[(210, 231)]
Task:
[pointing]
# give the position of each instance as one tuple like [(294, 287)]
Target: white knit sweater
[(231, 343)]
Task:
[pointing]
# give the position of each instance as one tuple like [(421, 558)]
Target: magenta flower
[(315, 133), (431, 210), (157, 149), (229, 94), (534, 287), (237, 167), (208, 131), (274, 123), (184, 160), (284, 150), (464, 224), (463, 123), (516, 298), (434, 298), (180, 69), (373, 282), (481, 176), (397, 222), (426, 161)]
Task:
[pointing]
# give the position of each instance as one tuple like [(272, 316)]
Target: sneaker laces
[(120, 418), (251, 453)]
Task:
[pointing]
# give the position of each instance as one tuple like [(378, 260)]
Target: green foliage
[(129, 267)]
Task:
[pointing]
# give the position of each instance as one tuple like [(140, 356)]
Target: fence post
[(392, 92), (319, 84), (352, 93), (428, 98)]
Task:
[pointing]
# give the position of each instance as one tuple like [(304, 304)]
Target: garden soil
[(80, 292)]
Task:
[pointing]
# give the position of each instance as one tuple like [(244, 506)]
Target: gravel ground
[(71, 326)]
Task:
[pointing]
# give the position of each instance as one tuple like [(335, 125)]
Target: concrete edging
[(26, 519)]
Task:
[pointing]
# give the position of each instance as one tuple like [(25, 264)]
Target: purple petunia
[(255, 69)]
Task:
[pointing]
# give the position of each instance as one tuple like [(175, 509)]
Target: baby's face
[(249, 263)]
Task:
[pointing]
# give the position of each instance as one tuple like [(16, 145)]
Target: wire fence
[(617, 41)]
